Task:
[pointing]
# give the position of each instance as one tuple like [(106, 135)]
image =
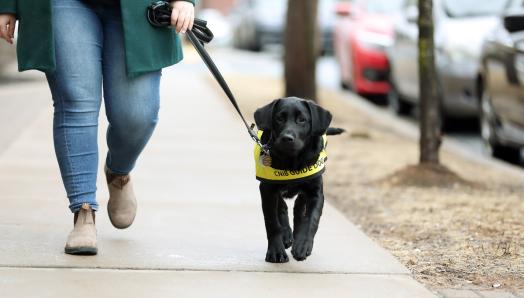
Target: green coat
[(147, 48)]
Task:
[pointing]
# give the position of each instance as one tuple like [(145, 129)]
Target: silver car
[(460, 28), (258, 23), (502, 88)]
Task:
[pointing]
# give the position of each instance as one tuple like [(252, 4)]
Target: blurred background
[(455, 228), (369, 47)]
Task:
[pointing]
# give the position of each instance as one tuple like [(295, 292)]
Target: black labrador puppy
[(294, 130)]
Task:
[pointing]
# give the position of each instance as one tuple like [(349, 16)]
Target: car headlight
[(375, 40)]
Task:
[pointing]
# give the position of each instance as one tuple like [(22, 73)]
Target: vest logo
[(265, 172), (286, 173)]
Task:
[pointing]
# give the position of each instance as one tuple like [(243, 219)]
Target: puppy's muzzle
[(287, 139), (288, 143)]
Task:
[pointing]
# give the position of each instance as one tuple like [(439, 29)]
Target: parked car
[(258, 23), (460, 28), (361, 35), (502, 87)]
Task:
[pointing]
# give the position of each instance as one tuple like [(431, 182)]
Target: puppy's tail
[(333, 131)]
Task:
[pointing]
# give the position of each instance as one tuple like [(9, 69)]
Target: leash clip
[(264, 148), (254, 136)]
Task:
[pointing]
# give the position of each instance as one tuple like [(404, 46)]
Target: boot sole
[(121, 227), (81, 251)]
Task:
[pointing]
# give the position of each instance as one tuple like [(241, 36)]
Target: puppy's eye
[(280, 119), (301, 119)]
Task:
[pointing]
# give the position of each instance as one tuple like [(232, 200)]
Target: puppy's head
[(292, 122)]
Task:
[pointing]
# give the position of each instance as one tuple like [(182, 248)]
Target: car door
[(514, 91), (518, 90), (505, 75), (405, 52)]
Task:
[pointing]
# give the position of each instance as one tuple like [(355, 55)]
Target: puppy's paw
[(287, 238), (276, 254), (302, 249)]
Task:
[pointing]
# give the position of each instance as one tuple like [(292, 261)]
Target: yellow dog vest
[(268, 174)]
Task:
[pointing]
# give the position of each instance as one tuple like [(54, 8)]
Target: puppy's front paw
[(276, 254), (302, 249), (287, 238)]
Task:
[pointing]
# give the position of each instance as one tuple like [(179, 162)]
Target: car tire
[(492, 145), (396, 103), (344, 86), (255, 45), (449, 123)]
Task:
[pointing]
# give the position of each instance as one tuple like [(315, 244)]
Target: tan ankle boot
[(82, 240), (121, 206)]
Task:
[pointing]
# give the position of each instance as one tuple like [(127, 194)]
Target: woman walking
[(88, 48)]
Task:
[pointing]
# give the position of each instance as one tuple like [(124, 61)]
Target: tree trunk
[(301, 49), (430, 134)]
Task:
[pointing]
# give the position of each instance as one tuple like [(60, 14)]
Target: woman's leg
[(76, 90), (132, 104)]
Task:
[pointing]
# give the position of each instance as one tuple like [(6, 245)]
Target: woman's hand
[(183, 16), (7, 27)]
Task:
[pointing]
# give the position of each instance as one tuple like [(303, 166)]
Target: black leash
[(159, 15)]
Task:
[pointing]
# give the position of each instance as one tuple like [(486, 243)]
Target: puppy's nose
[(287, 138)]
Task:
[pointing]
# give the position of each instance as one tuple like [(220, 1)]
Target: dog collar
[(265, 173)]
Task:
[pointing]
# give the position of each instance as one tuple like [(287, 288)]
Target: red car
[(362, 34)]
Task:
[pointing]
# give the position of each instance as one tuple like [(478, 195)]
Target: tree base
[(426, 175)]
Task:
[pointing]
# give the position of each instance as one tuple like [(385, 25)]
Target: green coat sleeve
[(9, 6)]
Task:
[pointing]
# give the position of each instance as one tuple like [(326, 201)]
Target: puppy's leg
[(276, 252), (299, 214), (300, 228), (283, 219), (306, 223)]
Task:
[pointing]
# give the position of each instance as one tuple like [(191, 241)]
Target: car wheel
[(256, 47), (492, 145), (344, 85), (255, 44), (396, 103), (447, 122)]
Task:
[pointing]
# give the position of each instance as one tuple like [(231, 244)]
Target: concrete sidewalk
[(199, 231)]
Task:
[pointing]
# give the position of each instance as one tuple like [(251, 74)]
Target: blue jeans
[(90, 54)]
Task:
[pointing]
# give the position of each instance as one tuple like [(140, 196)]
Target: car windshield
[(469, 8), (380, 6)]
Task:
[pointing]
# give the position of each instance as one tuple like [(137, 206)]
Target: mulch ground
[(462, 228)]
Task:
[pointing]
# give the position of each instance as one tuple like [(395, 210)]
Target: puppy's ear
[(320, 118), (264, 115)]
